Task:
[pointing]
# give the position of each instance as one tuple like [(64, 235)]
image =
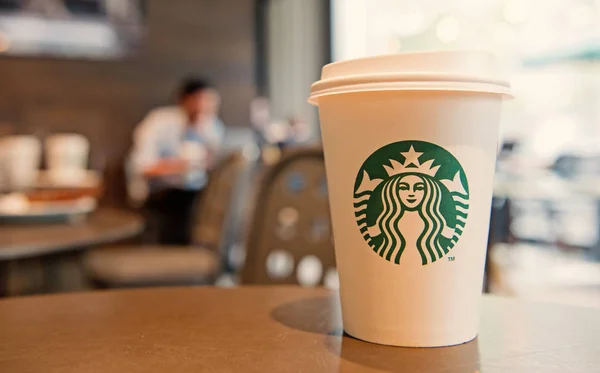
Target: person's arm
[(145, 157), (166, 167)]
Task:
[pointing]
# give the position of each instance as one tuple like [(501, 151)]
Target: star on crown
[(411, 164)]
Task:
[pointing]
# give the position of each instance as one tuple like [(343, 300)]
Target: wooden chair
[(164, 265), (290, 241)]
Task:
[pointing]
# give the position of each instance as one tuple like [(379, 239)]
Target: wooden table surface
[(271, 329), (18, 241)]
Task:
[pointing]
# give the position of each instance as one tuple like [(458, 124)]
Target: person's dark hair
[(194, 85)]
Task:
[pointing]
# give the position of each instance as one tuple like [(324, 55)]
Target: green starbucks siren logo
[(412, 184)]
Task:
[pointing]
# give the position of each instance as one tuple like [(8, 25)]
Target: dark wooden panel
[(105, 100)]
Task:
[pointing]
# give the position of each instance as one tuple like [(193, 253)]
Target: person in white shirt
[(173, 148)]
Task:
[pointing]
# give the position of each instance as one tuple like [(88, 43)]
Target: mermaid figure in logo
[(410, 196), (412, 192)]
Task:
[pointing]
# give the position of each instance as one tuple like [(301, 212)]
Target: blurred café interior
[(103, 186)]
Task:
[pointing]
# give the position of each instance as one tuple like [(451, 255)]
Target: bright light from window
[(504, 35), (394, 45), (581, 16), (448, 29), (516, 11), (556, 134), (410, 23)]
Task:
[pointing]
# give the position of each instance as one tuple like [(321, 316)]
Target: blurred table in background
[(545, 238), (548, 210), (50, 241), (272, 329)]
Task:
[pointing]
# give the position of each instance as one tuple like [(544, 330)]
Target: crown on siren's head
[(411, 164)]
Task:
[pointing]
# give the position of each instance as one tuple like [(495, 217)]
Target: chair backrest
[(289, 241), (214, 207)]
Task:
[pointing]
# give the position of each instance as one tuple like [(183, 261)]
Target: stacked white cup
[(20, 157), (67, 158)]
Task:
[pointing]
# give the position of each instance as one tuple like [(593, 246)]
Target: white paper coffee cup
[(67, 158), (20, 157), (410, 147)]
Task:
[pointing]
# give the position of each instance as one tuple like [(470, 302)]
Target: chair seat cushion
[(124, 266)]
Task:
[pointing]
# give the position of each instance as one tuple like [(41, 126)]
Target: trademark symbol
[(451, 258)]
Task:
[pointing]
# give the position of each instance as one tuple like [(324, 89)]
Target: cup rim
[(413, 86), (451, 70)]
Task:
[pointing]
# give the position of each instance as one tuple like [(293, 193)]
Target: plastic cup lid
[(468, 71)]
